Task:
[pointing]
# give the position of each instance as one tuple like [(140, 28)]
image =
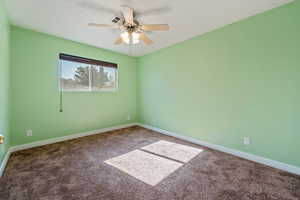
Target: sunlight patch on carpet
[(172, 150), (149, 168)]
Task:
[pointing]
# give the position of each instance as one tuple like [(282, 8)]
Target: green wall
[(35, 93), (241, 80), (4, 79)]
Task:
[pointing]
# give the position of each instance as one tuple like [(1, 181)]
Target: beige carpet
[(136, 163)]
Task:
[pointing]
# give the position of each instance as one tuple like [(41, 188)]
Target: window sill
[(86, 91)]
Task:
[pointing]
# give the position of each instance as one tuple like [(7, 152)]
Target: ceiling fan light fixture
[(135, 41), (135, 37), (125, 37), (132, 32)]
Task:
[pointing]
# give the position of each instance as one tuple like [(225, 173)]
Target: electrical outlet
[(29, 133), (247, 141), (128, 117)]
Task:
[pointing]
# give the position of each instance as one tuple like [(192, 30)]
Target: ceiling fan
[(132, 32)]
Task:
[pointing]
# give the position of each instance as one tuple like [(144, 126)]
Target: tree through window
[(82, 74)]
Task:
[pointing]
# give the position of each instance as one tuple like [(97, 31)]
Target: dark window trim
[(67, 57)]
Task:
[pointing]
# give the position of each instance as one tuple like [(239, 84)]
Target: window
[(82, 74)]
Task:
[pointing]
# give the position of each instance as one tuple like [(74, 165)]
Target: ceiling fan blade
[(145, 39), (155, 27), (119, 41), (128, 14), (104, 25)]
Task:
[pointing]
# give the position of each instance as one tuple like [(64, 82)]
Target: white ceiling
[(187, 18)]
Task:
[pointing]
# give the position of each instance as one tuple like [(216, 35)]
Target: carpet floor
[(136, 163)]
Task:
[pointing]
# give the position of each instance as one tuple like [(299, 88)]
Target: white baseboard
[(248, 156), (68, 137), (55, 140), (4, 162)]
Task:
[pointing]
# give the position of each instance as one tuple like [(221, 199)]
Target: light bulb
[(135, 37), (125, 37), (135, 41)]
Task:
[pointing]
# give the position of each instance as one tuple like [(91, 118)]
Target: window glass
[(76, 76), (103, 78)]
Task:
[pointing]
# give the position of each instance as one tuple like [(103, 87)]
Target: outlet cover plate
[(29, 133), (247, 141)]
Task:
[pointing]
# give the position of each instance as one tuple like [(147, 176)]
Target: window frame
[(90, 90)]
